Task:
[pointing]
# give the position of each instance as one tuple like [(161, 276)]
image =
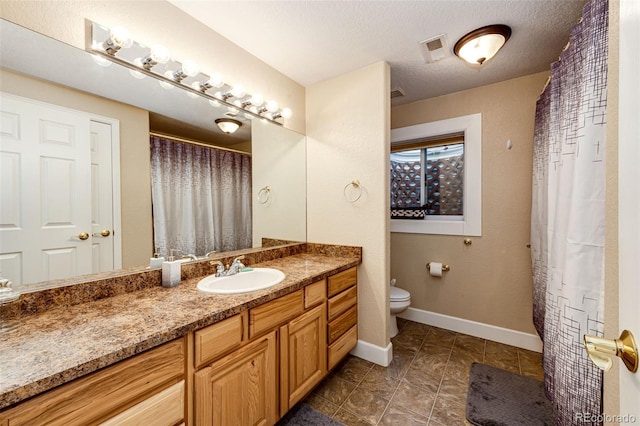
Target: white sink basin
[(242, 282)]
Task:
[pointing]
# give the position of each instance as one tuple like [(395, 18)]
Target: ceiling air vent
[(435, 48), (397, 93)]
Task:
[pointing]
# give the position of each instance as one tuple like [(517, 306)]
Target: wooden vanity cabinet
[(303, 356), (241, 388), (150, 385), (342, 315), (253, 367)]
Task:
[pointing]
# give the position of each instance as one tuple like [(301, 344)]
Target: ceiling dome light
[(482, 44), (228, 125)]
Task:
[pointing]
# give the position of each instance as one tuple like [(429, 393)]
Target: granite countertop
[(65, 343)]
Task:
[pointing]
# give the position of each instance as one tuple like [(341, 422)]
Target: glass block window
[(444, 179), (431, 177)]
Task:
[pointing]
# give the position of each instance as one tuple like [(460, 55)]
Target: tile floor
[(426, 382)]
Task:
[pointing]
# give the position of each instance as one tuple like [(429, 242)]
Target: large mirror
[(37, 67)]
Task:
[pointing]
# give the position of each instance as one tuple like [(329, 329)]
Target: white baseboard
[(484, 331), (376, 354)]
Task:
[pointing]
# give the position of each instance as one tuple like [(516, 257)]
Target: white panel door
[(629, 200), (101, 198), (46, 191)]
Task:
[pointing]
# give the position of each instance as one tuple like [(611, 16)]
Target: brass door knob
[(83, 236), (103, 233), (600, 350)]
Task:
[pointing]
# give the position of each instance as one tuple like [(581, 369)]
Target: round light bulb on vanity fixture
[(213, 103), (190, 68), (120, 36), (164, 84), (137, 74), (257, 100), (103, 62), (238, 91), (159, 54), (196, 86), (286, 113), (216, 80), (272, 106)]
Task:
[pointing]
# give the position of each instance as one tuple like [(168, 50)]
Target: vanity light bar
[(116, 46)]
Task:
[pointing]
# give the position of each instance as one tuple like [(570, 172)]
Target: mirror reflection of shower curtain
[(568, 217), (201, 198)]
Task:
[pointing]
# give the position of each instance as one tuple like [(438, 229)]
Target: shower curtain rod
[(197, 143)]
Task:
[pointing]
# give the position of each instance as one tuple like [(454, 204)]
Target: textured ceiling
[(311, 41)]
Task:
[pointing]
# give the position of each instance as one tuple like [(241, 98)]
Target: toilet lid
[(399, 295)]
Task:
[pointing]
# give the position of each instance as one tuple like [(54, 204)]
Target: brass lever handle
[(103, 233), (601, 349)]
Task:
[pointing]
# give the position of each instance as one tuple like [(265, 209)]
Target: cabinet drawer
[(164, 408), (341, 302), (217, 339), (315, 294), (342, 280), (106, 392), (343, 323), (271, 314), (341, 347)]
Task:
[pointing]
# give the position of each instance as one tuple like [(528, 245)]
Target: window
[(436, 177), (429, 178)]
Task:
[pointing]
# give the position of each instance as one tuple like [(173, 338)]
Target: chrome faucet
[(235, 266), (190, 257), (219, 268)]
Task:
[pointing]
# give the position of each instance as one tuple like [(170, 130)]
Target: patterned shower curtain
[(201, 198), (567, 223)]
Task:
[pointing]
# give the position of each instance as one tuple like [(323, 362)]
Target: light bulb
[(237, 91), (159, 53), (103, 62), (218, 95), (286, 113), (121, 37), (196, 86), (238, 103), (272, 106), (137, 74), (257, 100), (164, 84), (216, 80), (190, 68), (118, 38), (213, 103), (232, 110)]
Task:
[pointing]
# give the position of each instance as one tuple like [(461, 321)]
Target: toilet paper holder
[(445, 268)]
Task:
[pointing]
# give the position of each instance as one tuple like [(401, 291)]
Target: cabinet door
[(303, 356), (241, 388)]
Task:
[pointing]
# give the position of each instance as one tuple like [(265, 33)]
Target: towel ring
[(357, 189), (264, 194)]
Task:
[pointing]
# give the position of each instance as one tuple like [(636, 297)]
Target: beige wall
[(135, 174), (158, 21), (347, 139), (490, 281)]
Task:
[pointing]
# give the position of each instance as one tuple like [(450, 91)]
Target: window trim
[(471, 223)]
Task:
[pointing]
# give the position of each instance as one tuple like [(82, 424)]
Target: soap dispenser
[(171, 271), (156, 261)]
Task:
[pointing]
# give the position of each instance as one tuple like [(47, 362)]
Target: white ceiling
[(311, 41)]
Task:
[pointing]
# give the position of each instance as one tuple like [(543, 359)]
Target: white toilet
[(399, 301)]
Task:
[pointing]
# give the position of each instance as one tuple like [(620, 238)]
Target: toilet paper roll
[(435, 269)]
